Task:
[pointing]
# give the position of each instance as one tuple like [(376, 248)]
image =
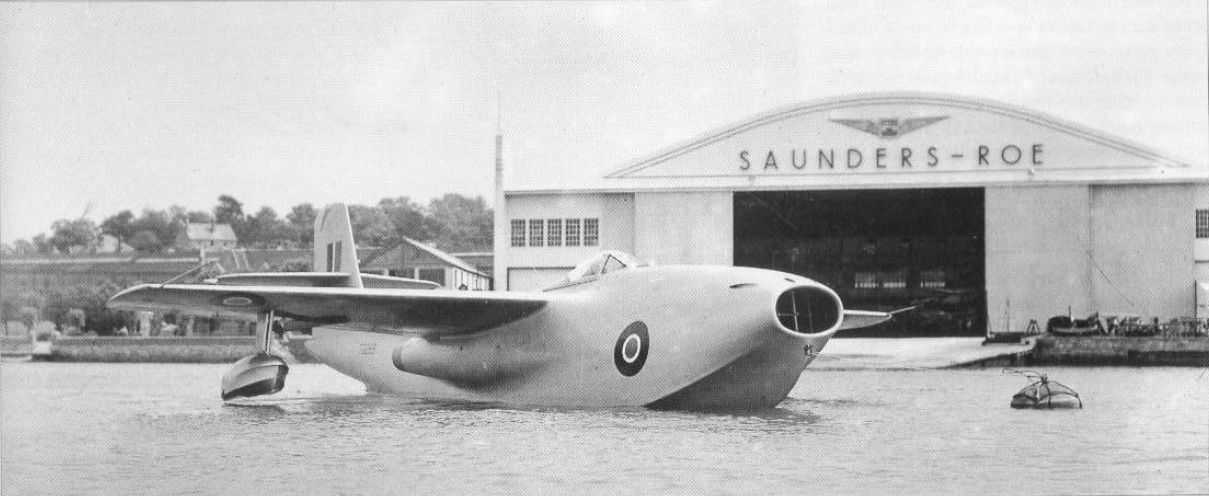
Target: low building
[(205, 236), (410, 258), (482, 261)]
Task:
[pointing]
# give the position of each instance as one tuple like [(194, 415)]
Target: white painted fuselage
[(675, 336)]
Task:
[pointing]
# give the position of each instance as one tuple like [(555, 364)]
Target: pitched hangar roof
[(952, 125)]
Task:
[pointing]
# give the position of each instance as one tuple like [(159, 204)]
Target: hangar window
[(1202, 224), (591, 232), (518, 232), (894, 280), (572, 234), (932, 279), (554, 232), (865, 280), (536, 232)]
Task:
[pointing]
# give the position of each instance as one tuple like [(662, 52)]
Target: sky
[(112, 106)]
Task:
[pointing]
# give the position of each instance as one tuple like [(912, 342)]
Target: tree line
[(451, 222)]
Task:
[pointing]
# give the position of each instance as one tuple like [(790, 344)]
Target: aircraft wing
[(432, 313), (856, 319)]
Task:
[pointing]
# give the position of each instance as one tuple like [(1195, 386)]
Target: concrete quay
[(204, 349), (939, 353), (913, 353), (1121, 350)]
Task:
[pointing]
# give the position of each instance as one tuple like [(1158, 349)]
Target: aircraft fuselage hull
[(675, 337)]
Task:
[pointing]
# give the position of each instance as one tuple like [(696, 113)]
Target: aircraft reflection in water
[(613, 333)]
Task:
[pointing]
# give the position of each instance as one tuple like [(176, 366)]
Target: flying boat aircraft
[(613, 332)]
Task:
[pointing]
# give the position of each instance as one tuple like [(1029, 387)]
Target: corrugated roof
[(435, 253)]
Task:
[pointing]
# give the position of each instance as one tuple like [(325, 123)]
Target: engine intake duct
[(809, 309)]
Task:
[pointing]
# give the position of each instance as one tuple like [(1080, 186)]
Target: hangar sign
[(900, 158), (900, 136)]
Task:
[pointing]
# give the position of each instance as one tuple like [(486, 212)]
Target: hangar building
[(985, 214)]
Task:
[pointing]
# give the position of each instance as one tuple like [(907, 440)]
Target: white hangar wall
[(536, 267), (1201, 253), (1201, 198), (1105, 248), (1144, 248), (1036, 254), (684, 227)]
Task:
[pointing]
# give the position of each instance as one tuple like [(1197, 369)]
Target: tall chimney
[(500, 241)]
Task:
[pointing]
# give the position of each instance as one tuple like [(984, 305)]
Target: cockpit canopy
[(600, 263)]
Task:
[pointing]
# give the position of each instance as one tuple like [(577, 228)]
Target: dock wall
[(210, 349), (1120, 350)]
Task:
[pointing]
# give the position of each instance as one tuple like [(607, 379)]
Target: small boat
[(1067, 326), (1043, 393)]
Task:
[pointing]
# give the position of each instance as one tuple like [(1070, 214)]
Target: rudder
[(334, 248)]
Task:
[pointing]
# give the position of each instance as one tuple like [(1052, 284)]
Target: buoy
[(1043, 393)]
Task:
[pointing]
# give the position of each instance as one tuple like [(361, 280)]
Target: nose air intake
[(805, 310)]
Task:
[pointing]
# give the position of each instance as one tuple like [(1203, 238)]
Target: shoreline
[(839, 354)]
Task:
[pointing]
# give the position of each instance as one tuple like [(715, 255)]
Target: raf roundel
[(238, 300), (630, 352)]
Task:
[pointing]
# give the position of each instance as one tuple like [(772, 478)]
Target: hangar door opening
[(879, 250)]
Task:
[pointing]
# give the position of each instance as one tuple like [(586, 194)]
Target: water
[(161, 429)]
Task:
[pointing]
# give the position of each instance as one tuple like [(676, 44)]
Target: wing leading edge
[(856, 319), (432, 313)]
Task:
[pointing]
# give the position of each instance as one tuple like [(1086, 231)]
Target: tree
[(119, 226), (265, 230), (302, 214), (371, 226), (464, 224), (229, 210), (159, 223), (42, 243), (407, 218), (146, 240), (302, 223), (89, 296), (15, 300), (68, 234), (76, 319), (23, 247), (199, 216)]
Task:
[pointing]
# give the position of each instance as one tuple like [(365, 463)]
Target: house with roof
[(410, 258), (205, 235)]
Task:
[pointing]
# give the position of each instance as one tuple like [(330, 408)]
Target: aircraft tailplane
[(334, 248)]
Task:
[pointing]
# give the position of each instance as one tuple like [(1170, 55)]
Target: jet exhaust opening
[(808, 310)]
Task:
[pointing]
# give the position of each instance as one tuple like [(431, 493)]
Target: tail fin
[(334, 248)]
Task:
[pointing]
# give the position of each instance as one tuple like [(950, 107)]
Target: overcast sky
[(112, 106)]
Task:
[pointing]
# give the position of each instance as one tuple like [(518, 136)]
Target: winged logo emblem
[(889, 128)]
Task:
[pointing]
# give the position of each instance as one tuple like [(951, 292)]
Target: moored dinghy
[(1043, 393)]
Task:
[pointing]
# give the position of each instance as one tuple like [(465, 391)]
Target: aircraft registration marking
[(369, 348)]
